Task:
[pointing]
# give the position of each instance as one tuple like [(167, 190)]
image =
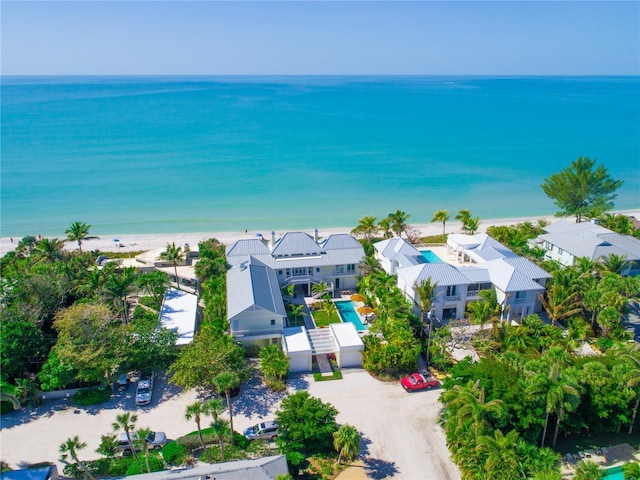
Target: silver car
[(262, 431), (155, 441)]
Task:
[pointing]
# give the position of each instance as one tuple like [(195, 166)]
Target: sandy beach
[(145, 242)]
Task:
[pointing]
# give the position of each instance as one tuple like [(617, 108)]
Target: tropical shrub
[(175, 453), (92, 396)]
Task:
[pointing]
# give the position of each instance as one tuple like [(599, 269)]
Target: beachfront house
[(301, 260), (564, 242), (255, 308), (260, 270), (478, 262)]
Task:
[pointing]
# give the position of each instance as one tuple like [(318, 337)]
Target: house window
[(452, 290), (339, 268), (273, 322), (317, 270), (560, 251), (279, 272), (521, 294), (351, 268)]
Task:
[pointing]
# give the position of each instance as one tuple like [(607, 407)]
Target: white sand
[(145, 242)]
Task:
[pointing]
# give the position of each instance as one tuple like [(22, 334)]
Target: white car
[(144, 390)]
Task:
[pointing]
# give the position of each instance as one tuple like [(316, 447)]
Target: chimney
[(273, 238), (316, 236)]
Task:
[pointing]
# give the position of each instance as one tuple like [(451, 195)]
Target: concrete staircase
[(321, 341)]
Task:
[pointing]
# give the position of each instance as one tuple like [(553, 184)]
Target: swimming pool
[(347, 311), (430, 257), (614, 473)]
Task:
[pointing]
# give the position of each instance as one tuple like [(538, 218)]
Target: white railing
[(254, 332)]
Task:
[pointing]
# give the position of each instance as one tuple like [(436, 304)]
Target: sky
[(319, 38)]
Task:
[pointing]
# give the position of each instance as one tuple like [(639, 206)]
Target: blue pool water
[(430, 257), (348, 313), (614, 473)]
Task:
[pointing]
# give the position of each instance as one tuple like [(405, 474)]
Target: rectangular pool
[(430, 257), (347, 311), (614, 473)]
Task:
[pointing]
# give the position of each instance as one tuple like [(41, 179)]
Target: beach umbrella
[(365, 310), (116, 240), (258, 234), (356, 297)]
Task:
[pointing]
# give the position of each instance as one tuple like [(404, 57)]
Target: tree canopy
[(582, 190)]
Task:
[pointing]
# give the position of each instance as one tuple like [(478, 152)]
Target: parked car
[(144, 392), (262, 431), (155, 441), (418, 381), (123, 381)]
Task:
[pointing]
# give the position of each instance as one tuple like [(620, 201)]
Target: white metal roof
[(442, 273), (251, 285), (178, 313), (591, 241), (346, 336), (340, 241), (401, 251), (508, 279), (245, 247), (295, 244), (295, 340)]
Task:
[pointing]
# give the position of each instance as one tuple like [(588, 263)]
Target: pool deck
[(606, 457)]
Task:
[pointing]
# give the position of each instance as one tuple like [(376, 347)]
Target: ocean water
[(201, 154)]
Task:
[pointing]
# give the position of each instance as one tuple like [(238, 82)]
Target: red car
[(417, 381)]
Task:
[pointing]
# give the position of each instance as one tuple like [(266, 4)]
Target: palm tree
[(329, 308), (366, 227), (77, 232), (319, 288), (297, 310), (225, 382), (441, 216), (560, 302), (346, 441), (50, 249), (143, 435), (220, 427), (26, 387), (613, 263), (473, 406), (71, 447), (127, 422), (195, 410), (118, 287), (368, 265), (501, 459), (485, 309), (398, 222), (12, 399), (588, 470), (385, 226), (472, 225), (153, 283), (464, 216), (173, 254)]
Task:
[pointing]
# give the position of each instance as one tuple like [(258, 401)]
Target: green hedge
[(92, 396), (155, 462), (175, 453)]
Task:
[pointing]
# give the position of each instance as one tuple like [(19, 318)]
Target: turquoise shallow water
[(195, 154)]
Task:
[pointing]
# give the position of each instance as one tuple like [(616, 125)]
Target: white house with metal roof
[(516, 280), (255, 309), (300, 259), (565, 241)]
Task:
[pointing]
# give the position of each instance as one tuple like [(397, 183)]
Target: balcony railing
[(452, 298)]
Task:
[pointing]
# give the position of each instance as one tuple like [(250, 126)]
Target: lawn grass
[(322, 320), (336, 375)]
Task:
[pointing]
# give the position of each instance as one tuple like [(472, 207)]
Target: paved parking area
[(401, 438)]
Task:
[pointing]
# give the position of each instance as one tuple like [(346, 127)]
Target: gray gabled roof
[(298, 249), (295, 244), (508, 278), (253, 286), (442, 273), (263, 468), (340, 241), (527, 267), (591, 241), (246, 247), (399, 250), (476, 274)]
